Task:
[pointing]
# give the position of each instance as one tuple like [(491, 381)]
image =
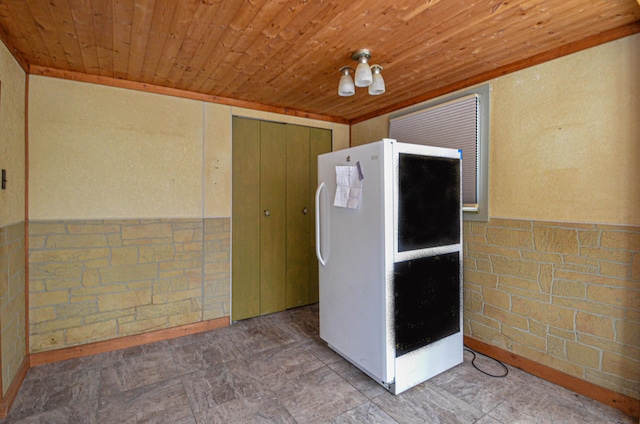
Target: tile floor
[(275, 369)]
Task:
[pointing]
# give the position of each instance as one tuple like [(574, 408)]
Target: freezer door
[(428, 201), (357, 250)]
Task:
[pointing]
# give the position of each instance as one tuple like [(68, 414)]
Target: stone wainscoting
[(565, 295), (12, 301), (98, 280)]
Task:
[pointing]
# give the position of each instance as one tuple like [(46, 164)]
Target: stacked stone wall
[(566, 295), (12, 301), (97, 280)]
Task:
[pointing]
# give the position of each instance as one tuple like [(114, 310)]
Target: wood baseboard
[(14, 387), (626, 404), (73, 352)]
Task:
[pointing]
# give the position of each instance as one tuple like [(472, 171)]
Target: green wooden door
[(274, 176), (245, 232), (273, 163), (298, 208)]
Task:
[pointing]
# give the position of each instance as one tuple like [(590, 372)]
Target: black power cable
[(473, 362)]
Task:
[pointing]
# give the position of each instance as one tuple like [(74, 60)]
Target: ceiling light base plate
[(361, 52)]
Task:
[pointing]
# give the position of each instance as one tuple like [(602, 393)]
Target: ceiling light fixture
[(365, 76)]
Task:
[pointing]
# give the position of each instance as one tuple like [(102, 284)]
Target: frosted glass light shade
[(346, 87), (364, 78), (377, 85)]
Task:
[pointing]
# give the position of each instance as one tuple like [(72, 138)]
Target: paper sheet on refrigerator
[(349, 187)]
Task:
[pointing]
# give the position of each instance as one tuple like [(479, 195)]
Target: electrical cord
[(473, 362)]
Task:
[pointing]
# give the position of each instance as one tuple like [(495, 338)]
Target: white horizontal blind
[(453, 124)]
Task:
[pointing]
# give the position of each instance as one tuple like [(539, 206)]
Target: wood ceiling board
[(61, 14), (193, 42), (29, 40), (82, 19), (102, 13), (267, 48), (175, 42), (12, 43), (244, 47), (51, 32), (221, 53), (217, 18), (285, 54), (163, 12), (122, 36), (140, 33)]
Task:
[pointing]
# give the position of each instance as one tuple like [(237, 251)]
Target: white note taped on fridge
[(349, 187)]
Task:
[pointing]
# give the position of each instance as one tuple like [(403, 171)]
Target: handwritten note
[(349, 187)]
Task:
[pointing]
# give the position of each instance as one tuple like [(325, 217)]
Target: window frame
[(479, 212)]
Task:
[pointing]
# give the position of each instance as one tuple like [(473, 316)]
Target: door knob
[(266, 212), (305, 211)]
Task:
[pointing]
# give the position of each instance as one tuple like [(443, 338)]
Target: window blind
[(454, 124)]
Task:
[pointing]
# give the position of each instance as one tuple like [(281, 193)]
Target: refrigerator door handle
[(318, 253)]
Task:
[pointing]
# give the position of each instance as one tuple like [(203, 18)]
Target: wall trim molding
[(73, 352), (26, 218), (14, 387), (626, 404)]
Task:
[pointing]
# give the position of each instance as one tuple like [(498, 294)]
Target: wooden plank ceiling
[(287, 53)]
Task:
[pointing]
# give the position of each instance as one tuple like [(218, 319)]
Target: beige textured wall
[(565, 138), (105, 152), (12, 124), (99, 152), (369, 131), (341, 134), (12, 217), (217, 161)]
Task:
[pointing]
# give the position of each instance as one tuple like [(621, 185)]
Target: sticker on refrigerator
[(349, 187)]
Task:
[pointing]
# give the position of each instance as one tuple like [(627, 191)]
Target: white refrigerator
[(389, 247)]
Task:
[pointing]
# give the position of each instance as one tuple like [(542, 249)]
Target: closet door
[(298, 213), (246, 213), (274, 180), (273, 164), (259, 218)]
